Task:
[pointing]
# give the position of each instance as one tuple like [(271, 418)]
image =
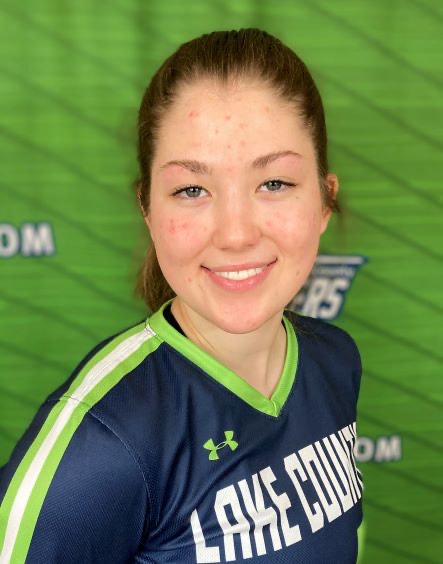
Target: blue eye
[(189, 192), (276, 185)]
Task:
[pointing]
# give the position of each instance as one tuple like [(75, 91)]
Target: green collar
[(226, 377)]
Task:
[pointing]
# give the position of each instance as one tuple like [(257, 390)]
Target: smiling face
[(235, 209)]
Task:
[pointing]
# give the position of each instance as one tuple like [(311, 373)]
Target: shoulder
[(71, 414), (329, 347), (73, 453), (109, 386), (322, 333), (107, 363)]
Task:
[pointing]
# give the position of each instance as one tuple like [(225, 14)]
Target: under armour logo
[(209, 445)]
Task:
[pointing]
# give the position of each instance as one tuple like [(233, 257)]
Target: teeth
[(240, 274)]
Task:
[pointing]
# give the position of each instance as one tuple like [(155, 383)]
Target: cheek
[(294, 230), (177, 239), (174, 227)]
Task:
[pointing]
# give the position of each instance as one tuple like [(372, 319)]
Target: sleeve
[(90, 506)]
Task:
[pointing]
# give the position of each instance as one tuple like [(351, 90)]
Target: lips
[(240, 277)]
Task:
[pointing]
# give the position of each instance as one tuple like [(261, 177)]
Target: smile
[(243, 279), (240, 274)]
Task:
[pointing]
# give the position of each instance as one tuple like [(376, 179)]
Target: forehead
[(246, 117), (238, 94)]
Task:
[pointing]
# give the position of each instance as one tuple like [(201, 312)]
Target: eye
[(190, 192), (275, 185)]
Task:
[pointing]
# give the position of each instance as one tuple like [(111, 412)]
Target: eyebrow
[(198, 167), (194, 166), (263, 161)]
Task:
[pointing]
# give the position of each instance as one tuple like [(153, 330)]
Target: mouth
[(240, 276)]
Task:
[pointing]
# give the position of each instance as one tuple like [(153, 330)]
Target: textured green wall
[(72, 74)]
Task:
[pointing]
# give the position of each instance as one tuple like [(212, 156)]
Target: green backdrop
[(71, 77)]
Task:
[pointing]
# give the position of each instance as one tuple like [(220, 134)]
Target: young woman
[(221, 429)]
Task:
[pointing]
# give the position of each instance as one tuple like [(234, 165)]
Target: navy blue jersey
[(154, 452)]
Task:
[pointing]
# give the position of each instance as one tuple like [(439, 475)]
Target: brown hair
[(223, 56)]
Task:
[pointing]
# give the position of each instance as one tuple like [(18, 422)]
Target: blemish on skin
[(242, 143), (188, 279), (192, 114), (243, 125), (175, 227), (227, 118), (216, 131), (228, 146), (266, 109)]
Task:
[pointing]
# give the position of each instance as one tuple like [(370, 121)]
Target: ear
[(331, 186)]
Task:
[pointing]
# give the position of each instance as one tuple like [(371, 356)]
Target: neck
[(258, 357)]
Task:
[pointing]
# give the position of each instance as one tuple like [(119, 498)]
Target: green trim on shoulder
[(226, 377), (28, 488)]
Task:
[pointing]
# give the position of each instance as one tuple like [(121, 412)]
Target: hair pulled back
[(223, 56)]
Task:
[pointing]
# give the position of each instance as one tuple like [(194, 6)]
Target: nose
[(236, 224)]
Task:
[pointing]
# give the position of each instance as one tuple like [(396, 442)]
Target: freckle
[(229, 146), (216, 131), (242, 143), (227, 118), (243, 126), (266, 108)]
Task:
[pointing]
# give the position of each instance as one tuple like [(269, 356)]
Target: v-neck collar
[(226, 377)]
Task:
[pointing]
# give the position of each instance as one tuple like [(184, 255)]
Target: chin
[(239, 322), (236, 328)]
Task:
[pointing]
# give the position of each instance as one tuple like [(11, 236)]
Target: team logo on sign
[(324, 293)]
